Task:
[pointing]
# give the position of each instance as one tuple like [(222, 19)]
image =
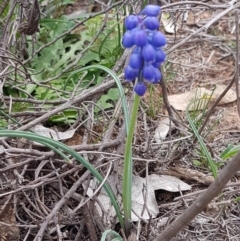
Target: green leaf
[(204, 149), (106, 101), (68, 116), (230, 151), (113, 233), (197, 163), (237, 199), (44, 93), (89, 57)]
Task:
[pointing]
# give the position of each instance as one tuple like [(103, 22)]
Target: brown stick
[(237, 62), (166, 101), (89, 221), (202, 201), (30, 27)]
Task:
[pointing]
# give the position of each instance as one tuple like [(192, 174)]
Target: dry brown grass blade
[(237, 61)]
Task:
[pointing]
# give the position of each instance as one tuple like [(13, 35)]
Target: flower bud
[(156, 64), (150, 34), (148, 72), (160, 56), (151, 10), (130, 73), (127, 40), (149, 53), (140, 88), (131, 22), (140, 38), (151, 23), (136, 61), (158, 39), (157, 76)]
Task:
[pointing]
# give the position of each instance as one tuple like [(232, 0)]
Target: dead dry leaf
[(167, 183), (228, 98), (181, 101), (138, 199), (168, 23), (50, 133), (103, 199), (162, 130), (144, 204)]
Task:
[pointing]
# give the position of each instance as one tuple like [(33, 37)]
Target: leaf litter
[(204, 61), (144, 204), (205, 97)]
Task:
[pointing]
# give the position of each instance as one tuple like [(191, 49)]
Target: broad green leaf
[(106, 101)]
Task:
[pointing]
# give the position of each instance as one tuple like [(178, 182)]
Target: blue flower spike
[(147, 56)]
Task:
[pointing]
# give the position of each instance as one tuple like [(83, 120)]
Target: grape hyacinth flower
[(146, 41), (142, 34)]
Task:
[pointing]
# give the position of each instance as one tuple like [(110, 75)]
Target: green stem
[(127, 170)]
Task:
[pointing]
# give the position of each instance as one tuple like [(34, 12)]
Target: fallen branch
[(202, 201)]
